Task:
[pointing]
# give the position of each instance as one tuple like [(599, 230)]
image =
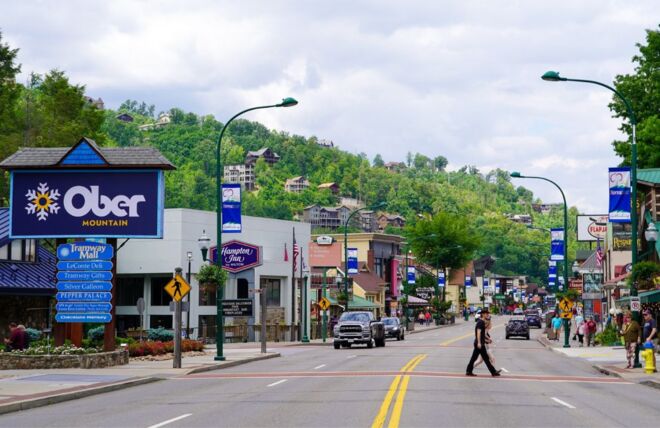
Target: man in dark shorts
[(480, 347), (650, 332)]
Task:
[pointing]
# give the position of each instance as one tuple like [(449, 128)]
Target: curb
[(229, 364), (606, 371), (68, 396), (646, 382)]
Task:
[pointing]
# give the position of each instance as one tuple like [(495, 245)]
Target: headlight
[(366, 328), (336, 329), (395, 328)]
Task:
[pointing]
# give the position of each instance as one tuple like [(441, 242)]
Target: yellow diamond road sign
[(177, 288), (566, 305), (567, 315), (324, 304)]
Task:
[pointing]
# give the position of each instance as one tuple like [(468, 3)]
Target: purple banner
[(70, 204)]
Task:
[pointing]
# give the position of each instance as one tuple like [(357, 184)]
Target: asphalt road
[(419, 382)]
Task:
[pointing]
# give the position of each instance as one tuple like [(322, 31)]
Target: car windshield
[(389, 321), (354, 316)]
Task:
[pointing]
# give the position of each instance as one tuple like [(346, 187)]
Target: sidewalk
[(26, 389), (610, 360)]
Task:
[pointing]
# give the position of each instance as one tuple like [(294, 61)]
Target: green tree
[(9, 96), (378, 161), (642, 89), (440, 163)]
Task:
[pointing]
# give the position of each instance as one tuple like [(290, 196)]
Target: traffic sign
[(177, 288), (566, 305), (324, 304), (635, 304), (567, 315)]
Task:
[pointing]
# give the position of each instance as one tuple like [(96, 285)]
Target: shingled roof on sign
[(86, 154)]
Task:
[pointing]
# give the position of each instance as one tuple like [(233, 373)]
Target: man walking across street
[(480, 346)]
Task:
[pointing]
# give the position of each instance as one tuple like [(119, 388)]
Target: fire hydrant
[(647, 354)]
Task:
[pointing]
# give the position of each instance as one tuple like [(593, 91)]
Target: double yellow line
[(399, 383)]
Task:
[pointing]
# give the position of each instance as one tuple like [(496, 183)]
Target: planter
[(9, 361)]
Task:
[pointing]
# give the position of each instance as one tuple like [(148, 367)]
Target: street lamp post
[(516, 174), (348, 220), (219, 321), (189, 254), (553, 76), (305, 337)]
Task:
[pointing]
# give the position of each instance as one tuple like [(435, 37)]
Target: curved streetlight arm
[(631, 113)]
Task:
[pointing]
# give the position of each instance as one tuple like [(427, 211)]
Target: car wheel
[(403, 336), (398, 337), (382, 342), (370, 344), (337, 345), (507, 337), (527, 337)]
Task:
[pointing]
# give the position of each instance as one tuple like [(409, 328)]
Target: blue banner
[(485, 282), (468, 281), (352, 262), (411, 274), (619, 180), (231, 208), (87, 203), (441, 279), (85, 251), (497, 286), (92, 318), (557, 244), (83, 307), (81, 296), (84, 286)]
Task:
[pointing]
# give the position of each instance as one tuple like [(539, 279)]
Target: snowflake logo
[(42, 201)]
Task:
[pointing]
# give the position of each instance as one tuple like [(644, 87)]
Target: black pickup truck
[(360, 328)]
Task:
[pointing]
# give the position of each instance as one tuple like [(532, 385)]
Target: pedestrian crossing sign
[(177, 288), (566, 305), (324, 304)]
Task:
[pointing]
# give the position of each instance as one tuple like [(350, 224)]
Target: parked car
[(533, 319), (518, 311), (393, 328), (517, 327), (358, 328)]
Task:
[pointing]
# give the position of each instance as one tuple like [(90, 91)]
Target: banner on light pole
[(411, 274), (557, 244), (619, 183)]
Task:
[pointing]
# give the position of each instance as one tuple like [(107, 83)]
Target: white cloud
[(456, 78)]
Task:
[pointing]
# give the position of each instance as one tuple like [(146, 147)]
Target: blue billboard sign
[(352, 262), (86, 203), (85, 251), (91, 318), (441, 279), (85, 265), (231, 208), (620, 199), (84, 286), (83, 307), (83, 296), (468, 281)]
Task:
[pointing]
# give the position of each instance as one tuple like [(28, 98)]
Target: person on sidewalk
[(480, 347), (17, 339), (577, 319), (650, 332), (581, 327), (421, 318), (489, 344), (630, 333), (590, 331), (556, 326), (428, 318)]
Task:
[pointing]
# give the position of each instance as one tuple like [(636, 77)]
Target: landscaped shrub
[(159, 348), (608, 337), (58, 350), (33, 334), (160, 334), (96, 334)]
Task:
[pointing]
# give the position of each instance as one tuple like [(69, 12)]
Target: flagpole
[(293, 289)]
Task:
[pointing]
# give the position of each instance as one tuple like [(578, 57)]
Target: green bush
[(43, 343), (33, 334), (96, 334), (160, 334), (608, 337)]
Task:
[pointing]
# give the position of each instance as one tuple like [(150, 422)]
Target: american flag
[(296, 252), (599, 255)]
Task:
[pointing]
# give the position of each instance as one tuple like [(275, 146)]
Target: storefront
[(145, 266)]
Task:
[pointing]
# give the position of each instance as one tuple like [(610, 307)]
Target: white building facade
[(145, 266)]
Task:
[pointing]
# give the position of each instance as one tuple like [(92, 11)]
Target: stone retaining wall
[(9, 361)]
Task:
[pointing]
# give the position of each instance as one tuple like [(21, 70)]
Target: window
[(164, 321), (16, 250), (242, 288), (378, 265), (159, 296), (20, 250), (272, 287), (129, 290), (4, 252)]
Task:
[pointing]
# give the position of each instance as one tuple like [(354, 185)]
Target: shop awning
[(652, 296), (417, 301), (357, 303)]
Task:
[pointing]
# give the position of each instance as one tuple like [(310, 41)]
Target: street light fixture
[(553, 76), (576, 268), (219, 321), (348, 220), (204, 243), (651, 233), (516, 174)]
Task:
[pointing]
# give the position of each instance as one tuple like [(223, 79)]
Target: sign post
[(178, 288)]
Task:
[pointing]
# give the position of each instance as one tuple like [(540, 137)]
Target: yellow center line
[(379, 421), (398, 405)]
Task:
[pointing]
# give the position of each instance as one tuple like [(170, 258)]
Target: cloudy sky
[(452, 78)]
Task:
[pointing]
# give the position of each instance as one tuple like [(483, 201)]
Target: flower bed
[(160, 348), (57, 350), (69, 358)]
